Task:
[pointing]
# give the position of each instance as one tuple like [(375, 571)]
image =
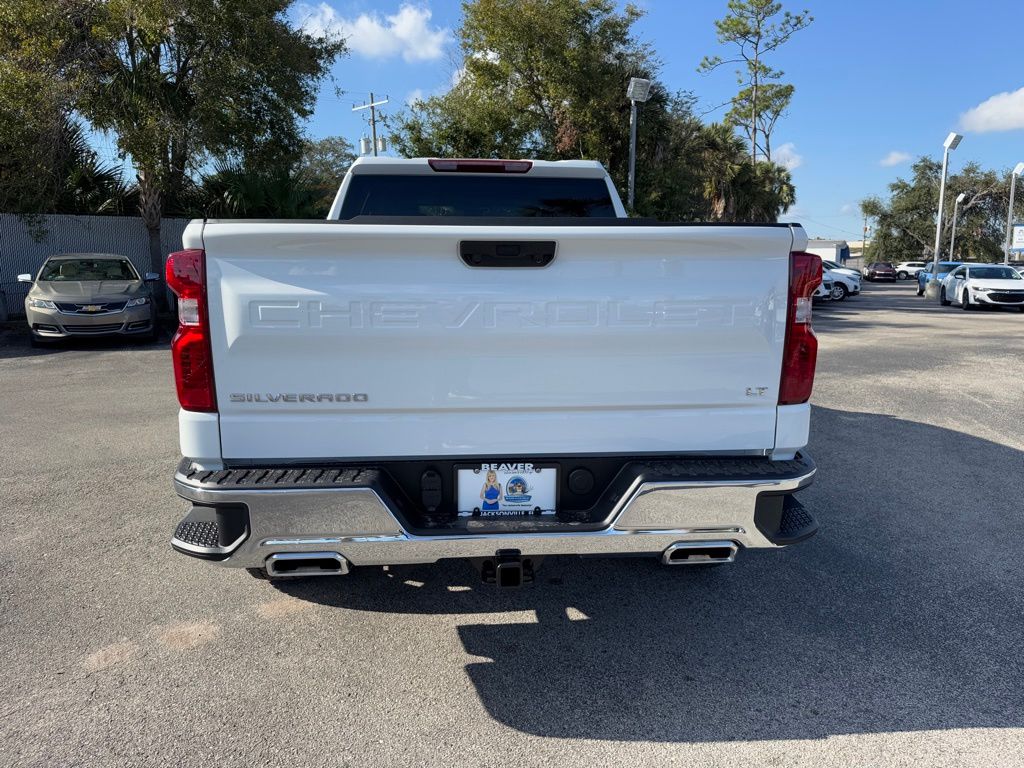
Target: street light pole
[(639, 90), (951, 143), (1017, 171), (632, 153), (952, 240)]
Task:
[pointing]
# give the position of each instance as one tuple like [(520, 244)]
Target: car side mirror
[(151, 277), (24, 278)]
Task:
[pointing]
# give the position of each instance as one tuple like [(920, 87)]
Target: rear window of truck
[(475, 195)]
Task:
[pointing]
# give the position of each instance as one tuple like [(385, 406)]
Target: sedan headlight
[(41, 304), (980, 290), (137, 302)]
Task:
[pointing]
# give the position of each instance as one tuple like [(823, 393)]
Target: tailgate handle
[(507, 253)]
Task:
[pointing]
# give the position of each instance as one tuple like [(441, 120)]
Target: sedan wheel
[(838, 292), (965, 301), (902, 275), (942, 298)]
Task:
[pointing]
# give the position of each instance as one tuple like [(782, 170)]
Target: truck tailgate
[(341, 340)]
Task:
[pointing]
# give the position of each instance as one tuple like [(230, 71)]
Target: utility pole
[(864, 243), (372, 106)]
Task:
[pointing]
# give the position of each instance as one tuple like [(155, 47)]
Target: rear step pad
[(211, 533), (797, 523)]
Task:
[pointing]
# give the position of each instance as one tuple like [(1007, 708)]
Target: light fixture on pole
[(952, 240), (1017, 171), (639, 90), (952, 142)]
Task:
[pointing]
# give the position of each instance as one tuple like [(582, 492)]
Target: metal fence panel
[(26, 243)]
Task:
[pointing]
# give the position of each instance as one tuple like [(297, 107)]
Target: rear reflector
[(801, 349), (480, 166), (190, 347)]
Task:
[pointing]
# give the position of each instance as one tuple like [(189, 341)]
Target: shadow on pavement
[(904, 613), (18, 343)]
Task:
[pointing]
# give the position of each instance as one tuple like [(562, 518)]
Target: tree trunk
[(753, 114), (151, 211)]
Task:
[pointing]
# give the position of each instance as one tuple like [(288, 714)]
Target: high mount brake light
[(800, 352), (480, 166), (190, 348)]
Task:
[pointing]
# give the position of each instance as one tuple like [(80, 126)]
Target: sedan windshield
[(88, 269), (993, 273)]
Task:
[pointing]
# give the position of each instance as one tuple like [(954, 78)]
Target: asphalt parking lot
[(892, 638)]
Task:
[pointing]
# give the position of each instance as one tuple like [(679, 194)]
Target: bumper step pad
[(797, 523), (199, 533), (211, 533)]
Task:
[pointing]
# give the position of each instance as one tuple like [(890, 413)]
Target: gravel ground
[(892, 638)]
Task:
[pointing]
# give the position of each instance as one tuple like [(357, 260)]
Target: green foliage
[(547, 79), (269, 192), (322, 166), (905, 223), (299, 187), (58, 172), (177, 82), (752, 29), (543, 78)]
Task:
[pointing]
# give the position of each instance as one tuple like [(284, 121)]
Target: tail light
[(801, 349), (190, 348)]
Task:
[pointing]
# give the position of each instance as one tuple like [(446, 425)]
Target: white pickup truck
[(487, 359)]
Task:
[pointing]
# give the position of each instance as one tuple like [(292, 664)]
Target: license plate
[(506, 489)]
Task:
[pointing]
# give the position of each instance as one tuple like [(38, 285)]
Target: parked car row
[(883, 270)]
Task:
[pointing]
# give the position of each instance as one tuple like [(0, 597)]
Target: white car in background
[(845, 282), (975, 285), (906, 270), (824, 290), (834, 267)]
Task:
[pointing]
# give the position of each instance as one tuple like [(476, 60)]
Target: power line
[(830, 226)]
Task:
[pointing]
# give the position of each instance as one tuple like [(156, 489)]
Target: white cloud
[(1002, 112), (787, 157), (894, 158), (458, 75), (414, 95), (407, 32), (847, 208)]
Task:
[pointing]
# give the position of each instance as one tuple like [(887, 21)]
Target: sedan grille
[(87, 329), (99, 308), (1015, 297)]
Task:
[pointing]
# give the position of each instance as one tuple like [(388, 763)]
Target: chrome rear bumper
[(366, 528)]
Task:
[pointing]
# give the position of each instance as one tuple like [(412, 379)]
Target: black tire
[(942, 298), (920, 290), (902, 276), (839, 292), (965, 301)]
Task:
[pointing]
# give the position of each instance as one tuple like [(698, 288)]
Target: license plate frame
[(527, 489)]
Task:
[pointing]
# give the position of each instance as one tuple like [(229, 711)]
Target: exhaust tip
[(285, 565), (700, 552)]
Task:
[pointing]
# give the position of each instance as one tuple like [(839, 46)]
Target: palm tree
[(723, 155)]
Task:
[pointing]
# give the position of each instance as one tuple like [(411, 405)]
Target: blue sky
[(873, 81)]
